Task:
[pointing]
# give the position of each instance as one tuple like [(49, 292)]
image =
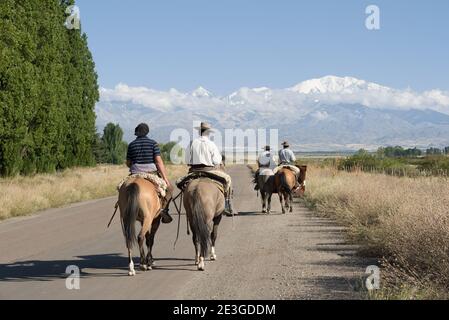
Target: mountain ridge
[(328, 113)]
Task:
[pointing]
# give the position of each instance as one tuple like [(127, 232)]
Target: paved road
[(292, 256)]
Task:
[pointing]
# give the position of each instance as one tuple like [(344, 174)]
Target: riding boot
[(166, 217), (229, 208)]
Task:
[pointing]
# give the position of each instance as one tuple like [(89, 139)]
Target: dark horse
[(204, 203), (283, 183)]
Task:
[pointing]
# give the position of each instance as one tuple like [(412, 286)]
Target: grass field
[(24, 195), (403, 221)]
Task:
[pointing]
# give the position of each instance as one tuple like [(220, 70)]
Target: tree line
[(48, 89), (400, 152)]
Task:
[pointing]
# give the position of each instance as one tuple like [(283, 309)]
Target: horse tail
[(130, 214), (199, 224)]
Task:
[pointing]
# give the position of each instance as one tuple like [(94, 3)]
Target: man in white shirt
[(286, 155), (203, 156), (266, 164), (202, 152)]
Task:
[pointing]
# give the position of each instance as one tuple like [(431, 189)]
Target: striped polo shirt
[(143, 150)]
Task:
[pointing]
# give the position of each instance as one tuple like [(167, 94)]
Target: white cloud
[(327, 90)]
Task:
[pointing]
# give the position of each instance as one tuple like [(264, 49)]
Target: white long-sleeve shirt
[(286, 156), (202, 151)]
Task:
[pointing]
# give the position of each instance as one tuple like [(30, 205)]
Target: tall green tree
[(112, 148), (48, 89)]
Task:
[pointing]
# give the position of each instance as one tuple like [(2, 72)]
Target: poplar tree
[(48, 89)]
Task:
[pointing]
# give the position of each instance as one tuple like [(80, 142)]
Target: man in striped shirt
[(144, 156)]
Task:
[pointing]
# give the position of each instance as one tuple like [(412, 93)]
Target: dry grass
[(403, 221), (24, 195)]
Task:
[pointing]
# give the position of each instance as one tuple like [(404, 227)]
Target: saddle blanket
[(266, 172), (215, 175), (160, 184), (287, 166)]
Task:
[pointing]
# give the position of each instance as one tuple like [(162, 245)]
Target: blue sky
[(225, 45)]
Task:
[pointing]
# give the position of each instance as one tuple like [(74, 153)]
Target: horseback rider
[(265, 161), (203, 156), (286, 155), (144, 156), (287, 158)]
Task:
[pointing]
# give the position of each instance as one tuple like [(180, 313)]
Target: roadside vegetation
[(397, 161), (25, 195), (400, 219)]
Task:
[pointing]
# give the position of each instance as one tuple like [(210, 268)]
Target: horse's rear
[(285, 182), (266, 188), (204, 203), (139, 201)]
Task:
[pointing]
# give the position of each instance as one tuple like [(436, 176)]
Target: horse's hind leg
[(131, 271), (196, 244), (290, 196), (141, 240), (150, 241), (214, 234), (264, 201), (282, 202), (269, 202)]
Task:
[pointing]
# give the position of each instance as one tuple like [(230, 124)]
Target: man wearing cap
[(203, 156), (266, 163), (286, 155), (144, 156)]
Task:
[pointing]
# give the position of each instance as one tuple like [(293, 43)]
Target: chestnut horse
[(139, 201), (285, 184)]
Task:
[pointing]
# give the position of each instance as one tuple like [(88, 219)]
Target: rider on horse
[(144, 156), (265, 161), (203, 156), (286, 155)]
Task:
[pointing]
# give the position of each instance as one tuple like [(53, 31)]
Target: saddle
[(290, 167), (160, 184), (183, 182)]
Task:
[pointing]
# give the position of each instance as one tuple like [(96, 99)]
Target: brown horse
[(285, 184), (139, 201), (204, 203)]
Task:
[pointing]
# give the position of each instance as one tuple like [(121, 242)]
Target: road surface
[(292, 256)]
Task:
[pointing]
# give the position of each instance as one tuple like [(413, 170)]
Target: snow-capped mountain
[(201, 92), (331, 84), (330, 113)]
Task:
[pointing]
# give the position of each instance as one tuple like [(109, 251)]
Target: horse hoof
[(132, 273), (152, 264), (144, 267), (213, 257), (201, 264)]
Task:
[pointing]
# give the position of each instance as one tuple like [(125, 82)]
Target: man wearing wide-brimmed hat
[(203, 156), (266, 163), (286, 155)]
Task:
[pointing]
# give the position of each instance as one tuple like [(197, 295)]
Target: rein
[(178, 209), (113, 215)]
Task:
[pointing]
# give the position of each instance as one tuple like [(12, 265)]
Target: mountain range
[(330, 113)]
